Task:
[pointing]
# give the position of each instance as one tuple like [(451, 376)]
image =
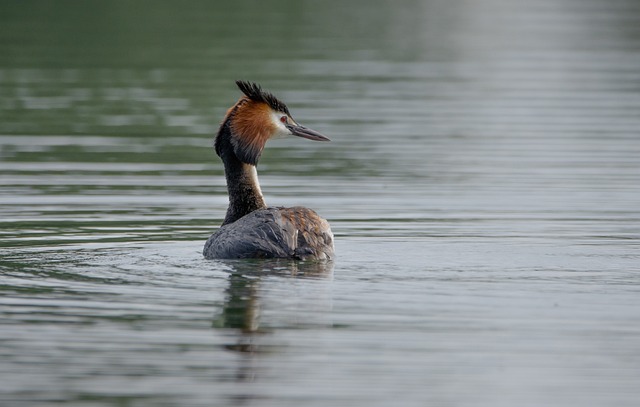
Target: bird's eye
[(283, 119)]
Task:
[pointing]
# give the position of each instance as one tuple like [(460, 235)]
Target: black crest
[(254, 92)]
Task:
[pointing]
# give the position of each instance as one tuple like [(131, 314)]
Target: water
[(482, 184)]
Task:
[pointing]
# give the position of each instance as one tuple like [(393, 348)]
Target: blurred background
[(482, 184)]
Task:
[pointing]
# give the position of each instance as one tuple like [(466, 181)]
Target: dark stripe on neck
[(242, 181)]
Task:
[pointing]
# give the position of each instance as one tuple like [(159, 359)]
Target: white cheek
[(281, 129)]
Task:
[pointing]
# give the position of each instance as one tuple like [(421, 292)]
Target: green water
[(482, 185)]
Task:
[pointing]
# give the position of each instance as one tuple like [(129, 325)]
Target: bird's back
[(294, 233)]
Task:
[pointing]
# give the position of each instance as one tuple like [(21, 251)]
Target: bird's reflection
[(239, 317), (241, 310), (242, 305)]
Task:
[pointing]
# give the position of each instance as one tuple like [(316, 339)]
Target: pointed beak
[(302, 131)]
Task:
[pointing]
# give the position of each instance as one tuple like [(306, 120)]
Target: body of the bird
[(294, 233), (250, 228)]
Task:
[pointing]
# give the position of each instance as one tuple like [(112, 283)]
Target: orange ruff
[(252, 126)]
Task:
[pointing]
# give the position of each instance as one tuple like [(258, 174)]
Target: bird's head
[(257, 117)]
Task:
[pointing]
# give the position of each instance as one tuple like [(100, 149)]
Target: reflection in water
[(241, 310), (244, 300)]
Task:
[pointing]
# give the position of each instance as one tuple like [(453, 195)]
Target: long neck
[(245, 195)]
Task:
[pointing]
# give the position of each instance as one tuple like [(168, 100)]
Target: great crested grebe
[(250, 228)]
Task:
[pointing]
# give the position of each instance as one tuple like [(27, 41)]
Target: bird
[(251, 229)]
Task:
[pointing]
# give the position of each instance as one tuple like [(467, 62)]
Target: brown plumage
[(250, 228), (293, 233), (251, 123)]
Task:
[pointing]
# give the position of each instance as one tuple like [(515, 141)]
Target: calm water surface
[(482, 184)]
